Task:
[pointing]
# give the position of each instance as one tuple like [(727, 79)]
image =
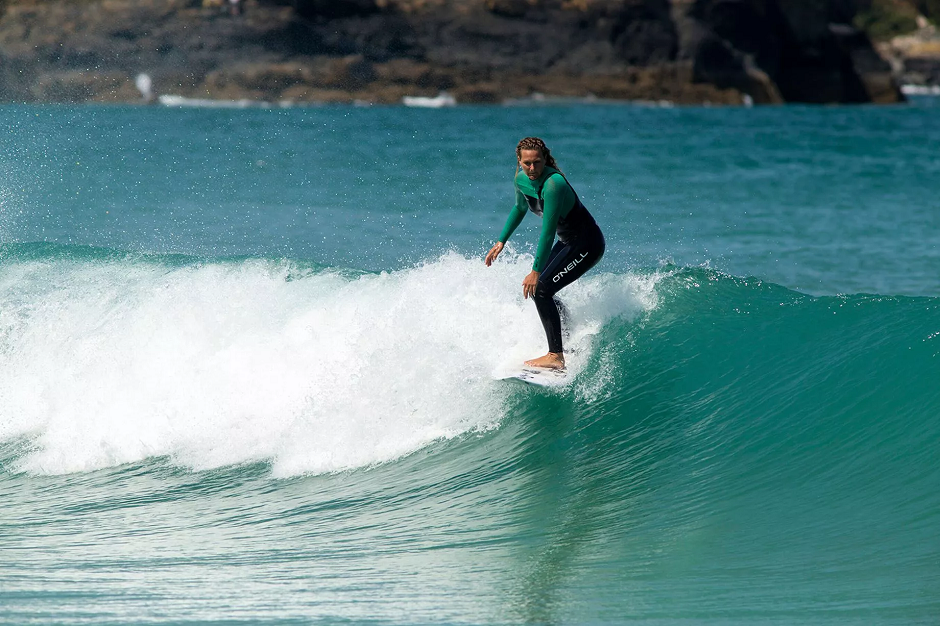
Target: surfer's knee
[(543, 291)]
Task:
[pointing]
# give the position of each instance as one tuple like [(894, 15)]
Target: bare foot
[(551, 361)]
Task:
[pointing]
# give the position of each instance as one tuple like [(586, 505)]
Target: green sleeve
[(558, 198), (515, 217)]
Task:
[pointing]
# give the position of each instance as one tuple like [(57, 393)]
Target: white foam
[(107, 363)]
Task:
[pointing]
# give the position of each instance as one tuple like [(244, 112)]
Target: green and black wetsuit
[(580, 241)]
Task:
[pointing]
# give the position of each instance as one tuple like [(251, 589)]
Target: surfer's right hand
[(493, 253)]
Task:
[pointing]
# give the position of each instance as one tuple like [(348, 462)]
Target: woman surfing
[(544, 190)]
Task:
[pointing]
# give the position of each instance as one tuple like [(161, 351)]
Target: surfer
[(544, 190)]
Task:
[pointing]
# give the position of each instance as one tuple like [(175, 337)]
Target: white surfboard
[(535, 376)]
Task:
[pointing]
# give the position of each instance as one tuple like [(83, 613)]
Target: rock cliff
[(685, 51)]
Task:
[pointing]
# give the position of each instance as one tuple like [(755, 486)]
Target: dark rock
[(479, 50), (927, 69), (508, 8), (794, 50), (333, 9), (350, 73), (78, 86)]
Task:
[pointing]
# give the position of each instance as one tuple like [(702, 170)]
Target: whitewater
[(115, 359)]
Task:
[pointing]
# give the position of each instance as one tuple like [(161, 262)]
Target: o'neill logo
[(567, 269)]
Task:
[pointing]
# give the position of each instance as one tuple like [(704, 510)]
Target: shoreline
[(915, 93)]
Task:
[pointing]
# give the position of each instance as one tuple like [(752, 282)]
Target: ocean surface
[(247, 358)]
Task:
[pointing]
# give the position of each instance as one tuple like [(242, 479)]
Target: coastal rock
[(333, 9), (686, 51), (794, 51), (915, 57)]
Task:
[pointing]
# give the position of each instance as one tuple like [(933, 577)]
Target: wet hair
[(534, 143)]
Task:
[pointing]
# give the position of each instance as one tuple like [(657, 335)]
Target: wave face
[(729, 451)]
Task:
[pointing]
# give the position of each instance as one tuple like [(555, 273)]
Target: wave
[(110, 357), (728, 450)]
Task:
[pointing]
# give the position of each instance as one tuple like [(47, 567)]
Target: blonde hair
[(534, 143)]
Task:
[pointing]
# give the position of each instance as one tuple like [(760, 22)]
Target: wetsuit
[(579, 247)]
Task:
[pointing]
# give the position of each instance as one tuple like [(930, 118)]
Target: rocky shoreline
[(477, 51), (915, 58)]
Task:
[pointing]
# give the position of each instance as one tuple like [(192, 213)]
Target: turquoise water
[(247, 357)]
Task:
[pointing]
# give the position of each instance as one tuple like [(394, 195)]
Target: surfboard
[(535, 376)]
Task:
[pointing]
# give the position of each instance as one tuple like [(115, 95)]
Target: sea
[(248, 357)]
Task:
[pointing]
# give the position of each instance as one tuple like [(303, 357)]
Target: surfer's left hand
[(529, 284)]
